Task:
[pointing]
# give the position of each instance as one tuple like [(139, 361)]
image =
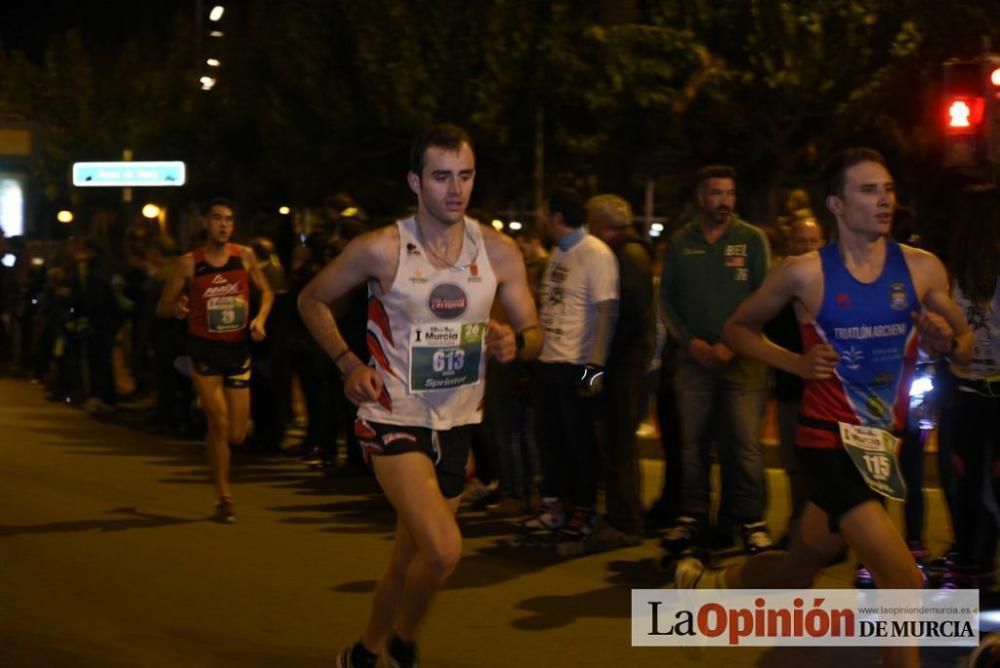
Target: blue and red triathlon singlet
[(219, 298), (870, 327)]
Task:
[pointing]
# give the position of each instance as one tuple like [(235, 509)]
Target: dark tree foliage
[(317, 96)]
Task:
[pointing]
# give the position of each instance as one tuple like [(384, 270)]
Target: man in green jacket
[(714, 262)]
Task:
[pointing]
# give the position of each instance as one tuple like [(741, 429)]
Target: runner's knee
[(237, 434), (442, 555), (219, 424)]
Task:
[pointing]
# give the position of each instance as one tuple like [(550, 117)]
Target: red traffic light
[(958, 114), (964, 114)]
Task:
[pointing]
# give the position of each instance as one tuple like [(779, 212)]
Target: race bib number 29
[(226, 314), (444, 356)]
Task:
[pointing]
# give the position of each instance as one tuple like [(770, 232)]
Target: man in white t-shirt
[(578, 308)]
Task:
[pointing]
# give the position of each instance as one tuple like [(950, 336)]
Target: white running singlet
[(426, 335)]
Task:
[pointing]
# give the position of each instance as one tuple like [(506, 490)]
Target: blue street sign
[(128, 174)]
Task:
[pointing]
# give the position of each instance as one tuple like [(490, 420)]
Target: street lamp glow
[(284, 210), (151, 211), (65, 216), (515, 225), (216, 33), (656, 227), (207, 83), (216, 13), (213, 62), (497, 224)]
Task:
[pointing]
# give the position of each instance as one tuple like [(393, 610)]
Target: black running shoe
[(225, 513), (399, 654), (684, 534)]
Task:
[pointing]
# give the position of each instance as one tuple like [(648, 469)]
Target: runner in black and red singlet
[(217, 308)]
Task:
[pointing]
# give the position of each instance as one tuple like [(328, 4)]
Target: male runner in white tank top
[(432, 279)]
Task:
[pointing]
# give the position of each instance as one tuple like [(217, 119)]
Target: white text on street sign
[(129, 174)]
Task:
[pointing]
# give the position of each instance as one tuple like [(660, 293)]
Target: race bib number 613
[(445, 355)]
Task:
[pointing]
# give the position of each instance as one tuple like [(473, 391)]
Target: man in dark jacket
[(609, 218)]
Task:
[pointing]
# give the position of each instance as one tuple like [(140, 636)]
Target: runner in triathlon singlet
[(870, 329), (432, 279), (217, 306), (862, 304)]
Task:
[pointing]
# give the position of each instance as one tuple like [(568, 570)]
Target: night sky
[(27, 25)]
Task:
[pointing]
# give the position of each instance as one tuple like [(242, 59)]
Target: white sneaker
[(756, 537)]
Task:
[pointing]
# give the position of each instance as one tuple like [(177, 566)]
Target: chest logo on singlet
[(447, 301), (877, 406), (897, 297), (853, 358), (474, 276)]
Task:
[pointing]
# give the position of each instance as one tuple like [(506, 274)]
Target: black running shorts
[(229, 360), (447, 450), (833, 482)]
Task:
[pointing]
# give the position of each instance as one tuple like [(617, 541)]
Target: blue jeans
[(704, 398)]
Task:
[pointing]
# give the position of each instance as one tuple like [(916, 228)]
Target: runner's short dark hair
[(838, 164), (218, 201), (443, 135)]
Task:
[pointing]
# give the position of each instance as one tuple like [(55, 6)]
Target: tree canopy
[(316, 96)]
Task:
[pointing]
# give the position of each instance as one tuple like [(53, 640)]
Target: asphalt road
[(108, 558)]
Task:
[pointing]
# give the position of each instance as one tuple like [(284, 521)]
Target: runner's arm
[(937, 300), (259, 280), (743, 331), (355, 265), (515, 293)]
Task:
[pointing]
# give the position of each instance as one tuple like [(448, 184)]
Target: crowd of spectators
[(78, 317)]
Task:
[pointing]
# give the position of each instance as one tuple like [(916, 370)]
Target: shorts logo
[(394, 436), (897, 297), (447, 301), (369, 448)]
